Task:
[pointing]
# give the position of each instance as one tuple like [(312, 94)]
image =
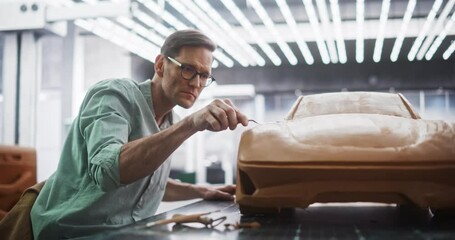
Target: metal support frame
[(22, 80), (23, 23), (29, 86), (10, 73), (73, 82)]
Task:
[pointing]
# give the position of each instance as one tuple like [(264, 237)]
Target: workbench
[(320, 221)]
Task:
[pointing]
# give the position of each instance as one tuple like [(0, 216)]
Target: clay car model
[(347, 147)]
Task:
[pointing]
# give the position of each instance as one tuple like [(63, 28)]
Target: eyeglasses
[(188, 72)]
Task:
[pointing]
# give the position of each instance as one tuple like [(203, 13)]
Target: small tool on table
[(252, 120)]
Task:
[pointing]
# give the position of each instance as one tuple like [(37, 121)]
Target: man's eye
[(188, 69), (205, 75)]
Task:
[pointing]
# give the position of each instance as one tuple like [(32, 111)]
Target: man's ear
[(159, 65)]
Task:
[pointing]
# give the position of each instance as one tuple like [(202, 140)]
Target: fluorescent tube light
[(399, 41), (380, 38)]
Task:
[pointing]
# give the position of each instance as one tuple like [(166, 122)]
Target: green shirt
[(84, 195)]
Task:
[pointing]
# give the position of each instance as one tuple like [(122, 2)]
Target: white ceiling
[(283, 32)]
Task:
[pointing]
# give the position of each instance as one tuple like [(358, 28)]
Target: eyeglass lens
[(189, 73)]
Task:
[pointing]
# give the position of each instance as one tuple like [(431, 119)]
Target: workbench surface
[(342, 221)]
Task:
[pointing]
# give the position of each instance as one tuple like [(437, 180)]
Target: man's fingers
[(223, 196), (220, 193), (220, 115), (242, 118), (224, 113), (229, 109), (228, 189), (214, 123)]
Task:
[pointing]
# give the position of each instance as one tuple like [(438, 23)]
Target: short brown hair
[(190, 37)]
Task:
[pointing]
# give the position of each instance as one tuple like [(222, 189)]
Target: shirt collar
[(146, 90)]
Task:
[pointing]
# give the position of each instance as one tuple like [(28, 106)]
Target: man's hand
[(222, 193), (177, 191), (218, 116)]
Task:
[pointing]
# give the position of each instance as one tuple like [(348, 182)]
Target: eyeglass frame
[(210, 78)]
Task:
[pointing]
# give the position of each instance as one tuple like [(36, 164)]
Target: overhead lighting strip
[(205, 28), (149, 21), (317, 32), (158, 10), (399, 41), (235, 11), (142, 45), (154, 7), (303, 47), (382, 24), (223, 58), (449, 51), (230, 31), (415, 47), (436, 29), (434, 47), (335, 7), (147, 31), (141, 30), (271, 27), (359, 43), (109, 31), (106, 29), (118, 35), (203, 21), (327, 29)]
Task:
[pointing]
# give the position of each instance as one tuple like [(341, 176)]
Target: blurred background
[(270, 52)]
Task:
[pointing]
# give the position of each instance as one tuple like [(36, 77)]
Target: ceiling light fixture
[(149, 21), (441, 37), (166, 16), (382, 24), (415, 47), (235, 11), (107, 30), (228, 44), (248, 42), (359, 44), (154, 7), (138, 28), (436, 29), (271, 27), (230, 31), (286, 12), (327, 30), (449, 51), (399, 41), (187, 12), (335, 7), (317, 32)]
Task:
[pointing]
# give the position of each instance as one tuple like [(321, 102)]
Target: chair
[(17, 224), (17, 173)]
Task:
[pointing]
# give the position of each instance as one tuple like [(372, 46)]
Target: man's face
[(180, 91)]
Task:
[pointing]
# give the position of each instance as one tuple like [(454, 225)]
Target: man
[(115, 162)]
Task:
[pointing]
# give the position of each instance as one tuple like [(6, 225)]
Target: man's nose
[(196, 81)]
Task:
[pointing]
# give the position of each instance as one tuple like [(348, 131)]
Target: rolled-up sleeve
[(105, 127)]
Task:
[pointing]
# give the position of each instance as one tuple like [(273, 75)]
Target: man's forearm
[(141, 157)]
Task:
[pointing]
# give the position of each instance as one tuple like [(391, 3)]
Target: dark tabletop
[(315, 222)]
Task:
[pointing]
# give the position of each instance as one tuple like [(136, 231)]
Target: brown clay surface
[(347, 147)]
